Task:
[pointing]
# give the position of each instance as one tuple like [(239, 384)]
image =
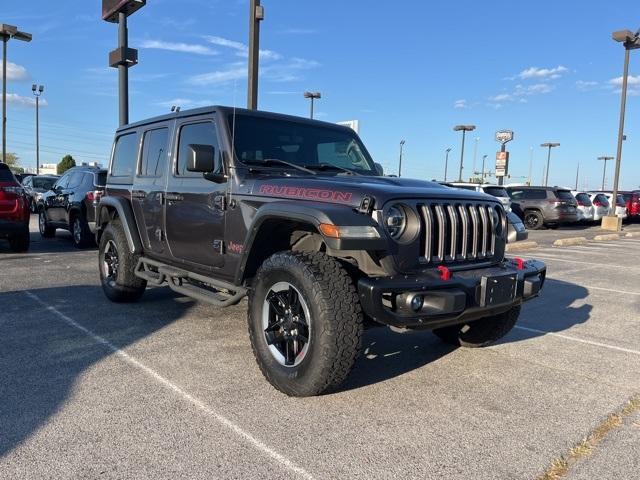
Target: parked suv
[(14, 211), (543, 206), (71, 204), (633, 204), (220, 203), (494, 190), (35, 186)]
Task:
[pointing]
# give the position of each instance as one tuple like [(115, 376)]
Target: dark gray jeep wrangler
[(220, 203)]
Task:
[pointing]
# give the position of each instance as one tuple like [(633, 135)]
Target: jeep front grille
[(458, 232)]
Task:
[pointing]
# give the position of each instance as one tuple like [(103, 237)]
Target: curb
[(633, 235), (521, 246), (608, 236), (565, 242)]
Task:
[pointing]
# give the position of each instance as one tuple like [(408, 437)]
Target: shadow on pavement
[(42, 356), (387, 354)]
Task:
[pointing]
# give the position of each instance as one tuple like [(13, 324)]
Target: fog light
[(417, 302)]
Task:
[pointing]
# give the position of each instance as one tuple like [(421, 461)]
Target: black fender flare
[(314, 214), (125, 213)]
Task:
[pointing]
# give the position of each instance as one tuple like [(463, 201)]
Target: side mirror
[(201, 158), (379, 169)]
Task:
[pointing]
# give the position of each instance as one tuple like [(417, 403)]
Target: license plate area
[(498, 290)]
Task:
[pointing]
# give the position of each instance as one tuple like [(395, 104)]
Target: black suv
[(71, 204), (543, 206), (220, 203)]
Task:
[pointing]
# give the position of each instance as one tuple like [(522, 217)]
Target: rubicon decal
[(308, 193)]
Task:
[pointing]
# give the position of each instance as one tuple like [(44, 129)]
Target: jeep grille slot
[(457, 232)]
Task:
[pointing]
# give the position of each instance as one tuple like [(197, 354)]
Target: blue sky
[(407, 70)]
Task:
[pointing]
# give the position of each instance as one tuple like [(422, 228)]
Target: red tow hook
[(445, 273), (520, 263)]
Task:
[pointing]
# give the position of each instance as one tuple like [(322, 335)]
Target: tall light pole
[(604, 170), (577, 175), (256, 15), (475, 154), (446, 163), (631, 42), (484, 159), (123, 57), (7, 32), (37, 91), (548, 145), (400, 163), (530, 164), (464, 129), (312, 96)]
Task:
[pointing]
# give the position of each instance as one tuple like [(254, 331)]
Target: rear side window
[(496, 191), (125, 156), (535, 194), (564, 195), (154, 152), (6, 175), (197, 134)]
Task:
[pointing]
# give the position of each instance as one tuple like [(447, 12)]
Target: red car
[(632, 199), (14, 211)]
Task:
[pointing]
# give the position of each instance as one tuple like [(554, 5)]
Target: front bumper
[(460, 299)]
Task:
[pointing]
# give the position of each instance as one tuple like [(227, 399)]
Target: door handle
[(173, 197), (139, 194)]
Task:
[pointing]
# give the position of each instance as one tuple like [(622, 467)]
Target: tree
[(11, 159), (65, 164)]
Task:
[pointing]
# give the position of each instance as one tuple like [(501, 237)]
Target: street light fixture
[(446, 163), (604, 170), (630, 41), (312, 96), (123, 57), (37, 91), (549, 146), (464, 129), (8, 32), (400, 163)]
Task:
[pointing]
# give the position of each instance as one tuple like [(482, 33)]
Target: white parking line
[(279, 458), (580, 340), (546, 256)]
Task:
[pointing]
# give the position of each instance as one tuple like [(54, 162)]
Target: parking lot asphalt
[(168, 387), (589, 231)]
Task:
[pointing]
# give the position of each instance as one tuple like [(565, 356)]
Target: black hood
[(350, 190)]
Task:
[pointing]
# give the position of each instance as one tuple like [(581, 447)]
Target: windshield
[(496, 191), (43, 182), (257, 139)]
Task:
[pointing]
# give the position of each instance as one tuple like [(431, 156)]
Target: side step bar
[(200, 287)]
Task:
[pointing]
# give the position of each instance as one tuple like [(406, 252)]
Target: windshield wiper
[(276, 161), (329, 166)]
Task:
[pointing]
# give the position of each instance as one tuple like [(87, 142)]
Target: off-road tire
[(533, 220), (125, 286), (335, 323), (480, 333), (20, 242), (46, 231), (83, 237)]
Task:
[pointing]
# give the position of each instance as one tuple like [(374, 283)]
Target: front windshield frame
[(350, 138)]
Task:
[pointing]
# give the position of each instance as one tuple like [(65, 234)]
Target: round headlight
[(395, 221), (497, 221)]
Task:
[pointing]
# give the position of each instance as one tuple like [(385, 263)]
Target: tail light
[(10, 191), (581, 204), (94, 195)]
